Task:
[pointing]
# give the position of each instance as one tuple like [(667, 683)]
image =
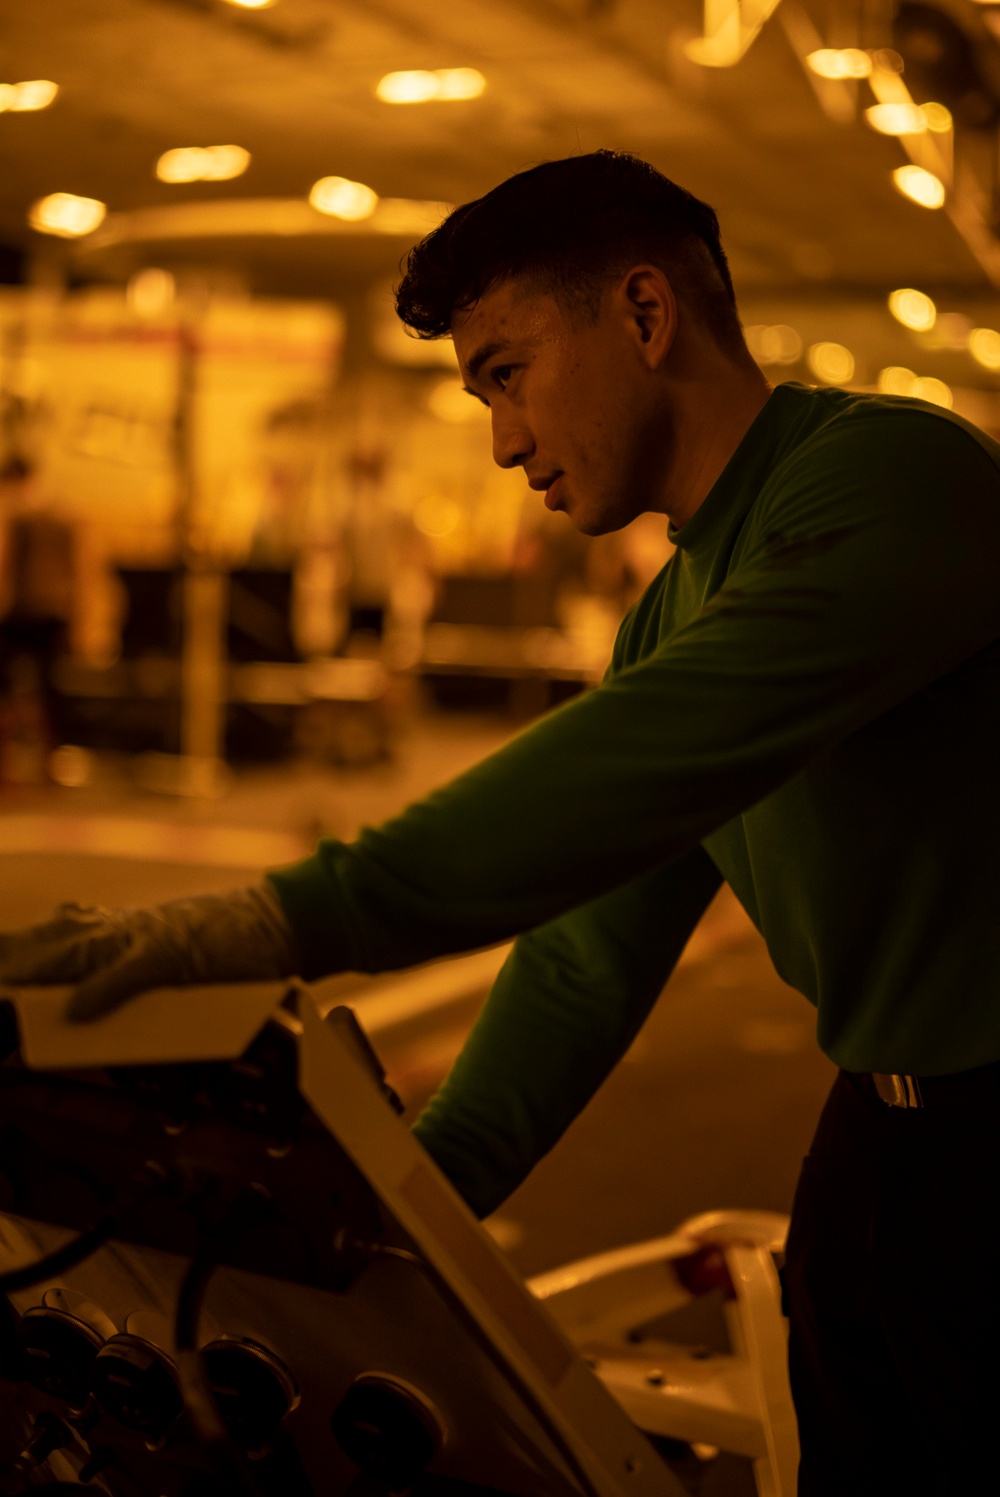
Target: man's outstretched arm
[(867, 574), (567, 1004)]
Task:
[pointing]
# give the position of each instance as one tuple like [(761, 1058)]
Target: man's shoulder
[(851, 425), (859, 461)]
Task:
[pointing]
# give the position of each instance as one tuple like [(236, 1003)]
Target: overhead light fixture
[(914, 309), (422, 86), (937, 118), (66, 215), (840, 62), (252, 4), (896, 380), (934, 391), (896, 119), (729, 29), (920, 186), (907, 118), (831, 362), (342, 198), (36, 93), (984, 346), (779, 344), (202, 164)]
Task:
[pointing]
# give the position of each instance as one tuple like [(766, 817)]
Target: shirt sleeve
[(868, 569), (566, 1005)]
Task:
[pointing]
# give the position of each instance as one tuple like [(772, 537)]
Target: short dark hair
[(569, 226)]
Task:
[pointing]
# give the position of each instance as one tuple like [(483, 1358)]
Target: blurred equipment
[(231, 1268), (38, 598)]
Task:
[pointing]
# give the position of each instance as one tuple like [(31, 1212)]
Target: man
[(804, 703)]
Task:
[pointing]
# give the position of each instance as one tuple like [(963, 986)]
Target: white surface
[(170, 1024)]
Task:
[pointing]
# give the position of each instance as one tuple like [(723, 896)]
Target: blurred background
[(260, 579)]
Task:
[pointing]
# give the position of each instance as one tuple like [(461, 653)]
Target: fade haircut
[(569, 228)]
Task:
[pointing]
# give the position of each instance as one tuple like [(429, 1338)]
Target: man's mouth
[(551, 484)]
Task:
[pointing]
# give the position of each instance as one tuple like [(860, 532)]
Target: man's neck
[(711, 416)]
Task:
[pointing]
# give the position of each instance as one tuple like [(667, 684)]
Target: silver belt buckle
[(898, 1091)]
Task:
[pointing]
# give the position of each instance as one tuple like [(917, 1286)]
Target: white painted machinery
[(228, 1268)]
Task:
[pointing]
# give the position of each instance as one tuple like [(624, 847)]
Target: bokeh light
[(920, 186), (914, 309), (421, 86), (151, 292), (984, 346), (903, 118), (341, 198), (840, 62), (779, 344), (66, 215), (896, 380), (831, 363), (35, 93), (202, 164)]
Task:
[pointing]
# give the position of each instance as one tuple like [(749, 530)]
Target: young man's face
[(571, 401)]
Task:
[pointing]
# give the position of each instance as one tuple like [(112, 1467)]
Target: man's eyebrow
[(487, 351)]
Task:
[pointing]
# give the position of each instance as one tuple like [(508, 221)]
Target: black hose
[(61, 1260), (226, 1456), (148, 1179)]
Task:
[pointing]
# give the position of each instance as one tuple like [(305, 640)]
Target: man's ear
[(646, 300)]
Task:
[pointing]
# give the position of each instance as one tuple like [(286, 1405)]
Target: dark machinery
[(234, 1271)]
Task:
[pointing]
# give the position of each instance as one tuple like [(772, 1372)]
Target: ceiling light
[(415, 87), (779, 344), (252, 4), (65, 214), (420, 86), (934, 391), (919, 186), (896, 380), (37, 93), (831, 362), (984, 346), (886, 60), (202, 164), (840, 62), (896, 119), (914, 309), (460, 83), (937, 118), (341, 198)]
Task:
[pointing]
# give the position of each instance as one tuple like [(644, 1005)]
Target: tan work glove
[(115, 954)]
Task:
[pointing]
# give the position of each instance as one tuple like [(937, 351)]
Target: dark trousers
[(892, 1281)]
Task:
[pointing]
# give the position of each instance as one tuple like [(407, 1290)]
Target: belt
[(897, 1090), (900, 1090)]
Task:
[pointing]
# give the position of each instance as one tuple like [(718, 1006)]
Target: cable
[(199, 1399), (61, 1260), (150, 1177)]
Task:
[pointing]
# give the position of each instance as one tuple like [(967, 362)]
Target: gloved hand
[(115, 954)]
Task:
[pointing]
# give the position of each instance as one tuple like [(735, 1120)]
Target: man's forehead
[(505, 313)]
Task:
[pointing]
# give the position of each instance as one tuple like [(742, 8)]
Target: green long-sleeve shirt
[(805, 703)]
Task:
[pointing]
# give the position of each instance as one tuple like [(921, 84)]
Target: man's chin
[(595, 522)]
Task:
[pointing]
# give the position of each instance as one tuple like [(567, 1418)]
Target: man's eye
[(501, 375)]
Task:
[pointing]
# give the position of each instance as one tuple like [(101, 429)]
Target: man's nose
[(512, 445)]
